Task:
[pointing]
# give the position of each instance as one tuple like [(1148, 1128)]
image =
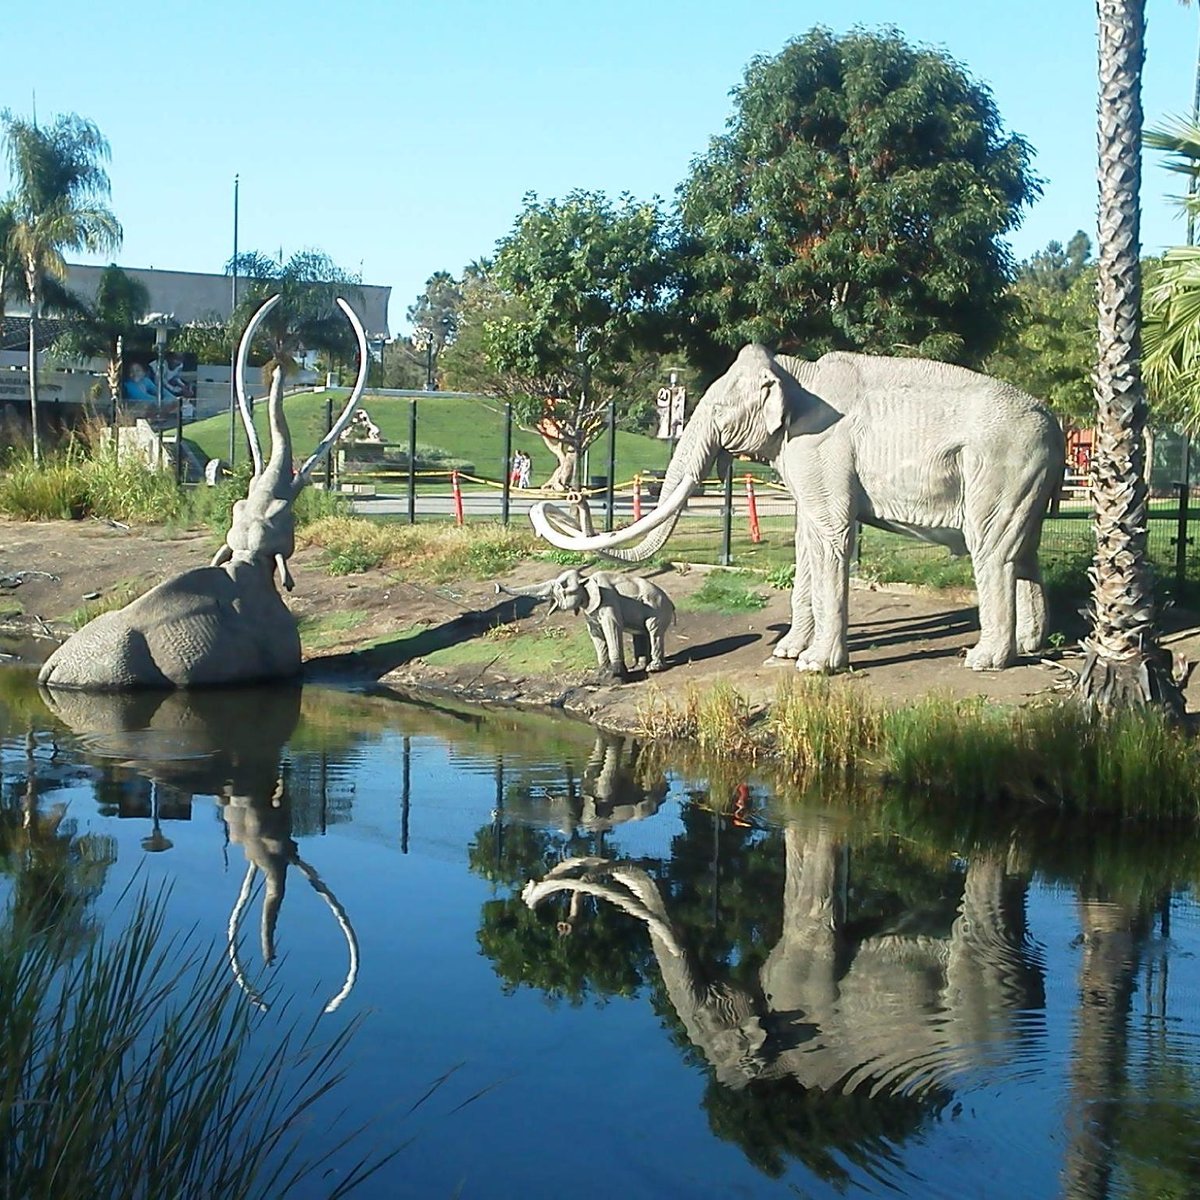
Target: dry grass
[(431, 552)]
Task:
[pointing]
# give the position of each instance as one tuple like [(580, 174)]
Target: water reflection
[(226, 743), (849, 995)]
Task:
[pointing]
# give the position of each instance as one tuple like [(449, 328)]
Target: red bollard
[(752, 507), (456, 488), (637, 497)]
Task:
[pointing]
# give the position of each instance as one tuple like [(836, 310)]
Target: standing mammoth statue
[(611, 604), (915, 447), (225, 623)]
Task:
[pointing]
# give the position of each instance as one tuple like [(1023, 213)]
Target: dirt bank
[(377, 627)]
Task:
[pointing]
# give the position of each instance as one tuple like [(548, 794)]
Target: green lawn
[(465, 429)]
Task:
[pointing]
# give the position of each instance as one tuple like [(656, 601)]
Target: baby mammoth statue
[(611, 603)]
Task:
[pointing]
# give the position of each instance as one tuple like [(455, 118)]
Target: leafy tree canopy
[(578, 290), (435, 318), (1049, 346), (857, 201)]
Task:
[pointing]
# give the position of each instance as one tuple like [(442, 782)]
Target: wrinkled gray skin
[(612, 604), (916, 447), (893, 1012), (225, 623)]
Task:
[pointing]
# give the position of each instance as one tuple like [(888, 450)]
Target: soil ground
[(379, 628)]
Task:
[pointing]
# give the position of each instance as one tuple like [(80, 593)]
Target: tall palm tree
[(1124, 664), (306, 318), (59, 189), (100, 330)]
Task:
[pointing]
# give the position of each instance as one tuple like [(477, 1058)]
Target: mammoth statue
[(897, 1011), (916, 447), (225, 743), (611, 604), (225, 623)]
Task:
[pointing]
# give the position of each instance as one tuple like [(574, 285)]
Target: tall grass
[(75, 484), (435, 552), (1133, 767), (124, 1073)]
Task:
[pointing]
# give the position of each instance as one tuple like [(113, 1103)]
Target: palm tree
[(57, 202), (1124, 664), (307, 317), (101, 328)]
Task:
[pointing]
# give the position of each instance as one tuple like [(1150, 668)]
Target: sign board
[(670, 402)]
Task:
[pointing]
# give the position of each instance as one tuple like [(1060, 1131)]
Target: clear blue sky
[(401, 136)]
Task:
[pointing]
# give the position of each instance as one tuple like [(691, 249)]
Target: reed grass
[(127, 1073), (1054, 756)]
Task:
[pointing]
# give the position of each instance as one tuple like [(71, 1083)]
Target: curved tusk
[(544, 523), (339, 913), (235, 920), (239, 372), (356, 392)]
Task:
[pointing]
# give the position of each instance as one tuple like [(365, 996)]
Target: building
[(189, 296)]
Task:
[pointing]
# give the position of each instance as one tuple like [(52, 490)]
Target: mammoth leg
[(604, 659), (612, 630), (641, 646), (1031, 606), (656, 628), (797, 639), (829, 554)]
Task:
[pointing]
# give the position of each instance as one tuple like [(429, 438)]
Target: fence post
[(1181, 539), (506, 474), (610, 502), (456, 488), (637, 496), (332, 449), (727, 517), (412, 462), (752, 510)]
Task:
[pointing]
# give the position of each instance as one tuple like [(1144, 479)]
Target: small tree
[(581, 285), (435, 320)]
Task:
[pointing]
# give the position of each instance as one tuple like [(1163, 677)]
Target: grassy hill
[(466, 429)]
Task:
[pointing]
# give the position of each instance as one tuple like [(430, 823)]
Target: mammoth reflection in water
[(225, 743), (612, 789), (900, 1010)]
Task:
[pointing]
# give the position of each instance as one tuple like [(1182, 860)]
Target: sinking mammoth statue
[(225, 623), (915, 447)]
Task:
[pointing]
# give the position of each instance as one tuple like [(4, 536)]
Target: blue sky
[(401, 137)]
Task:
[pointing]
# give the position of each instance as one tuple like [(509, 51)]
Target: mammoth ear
[(593, 594), (774, 403)]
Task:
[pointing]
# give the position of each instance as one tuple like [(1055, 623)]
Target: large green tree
[(1124, 664), (57, 204), (102, 328), (581, 285), (858, 200)]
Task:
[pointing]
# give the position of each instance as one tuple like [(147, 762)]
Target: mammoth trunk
[(693, 457)]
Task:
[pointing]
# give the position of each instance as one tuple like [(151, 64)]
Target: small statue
[(611, 603)]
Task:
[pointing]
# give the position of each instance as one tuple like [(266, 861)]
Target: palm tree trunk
[(33, 382), (1124, 664)]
